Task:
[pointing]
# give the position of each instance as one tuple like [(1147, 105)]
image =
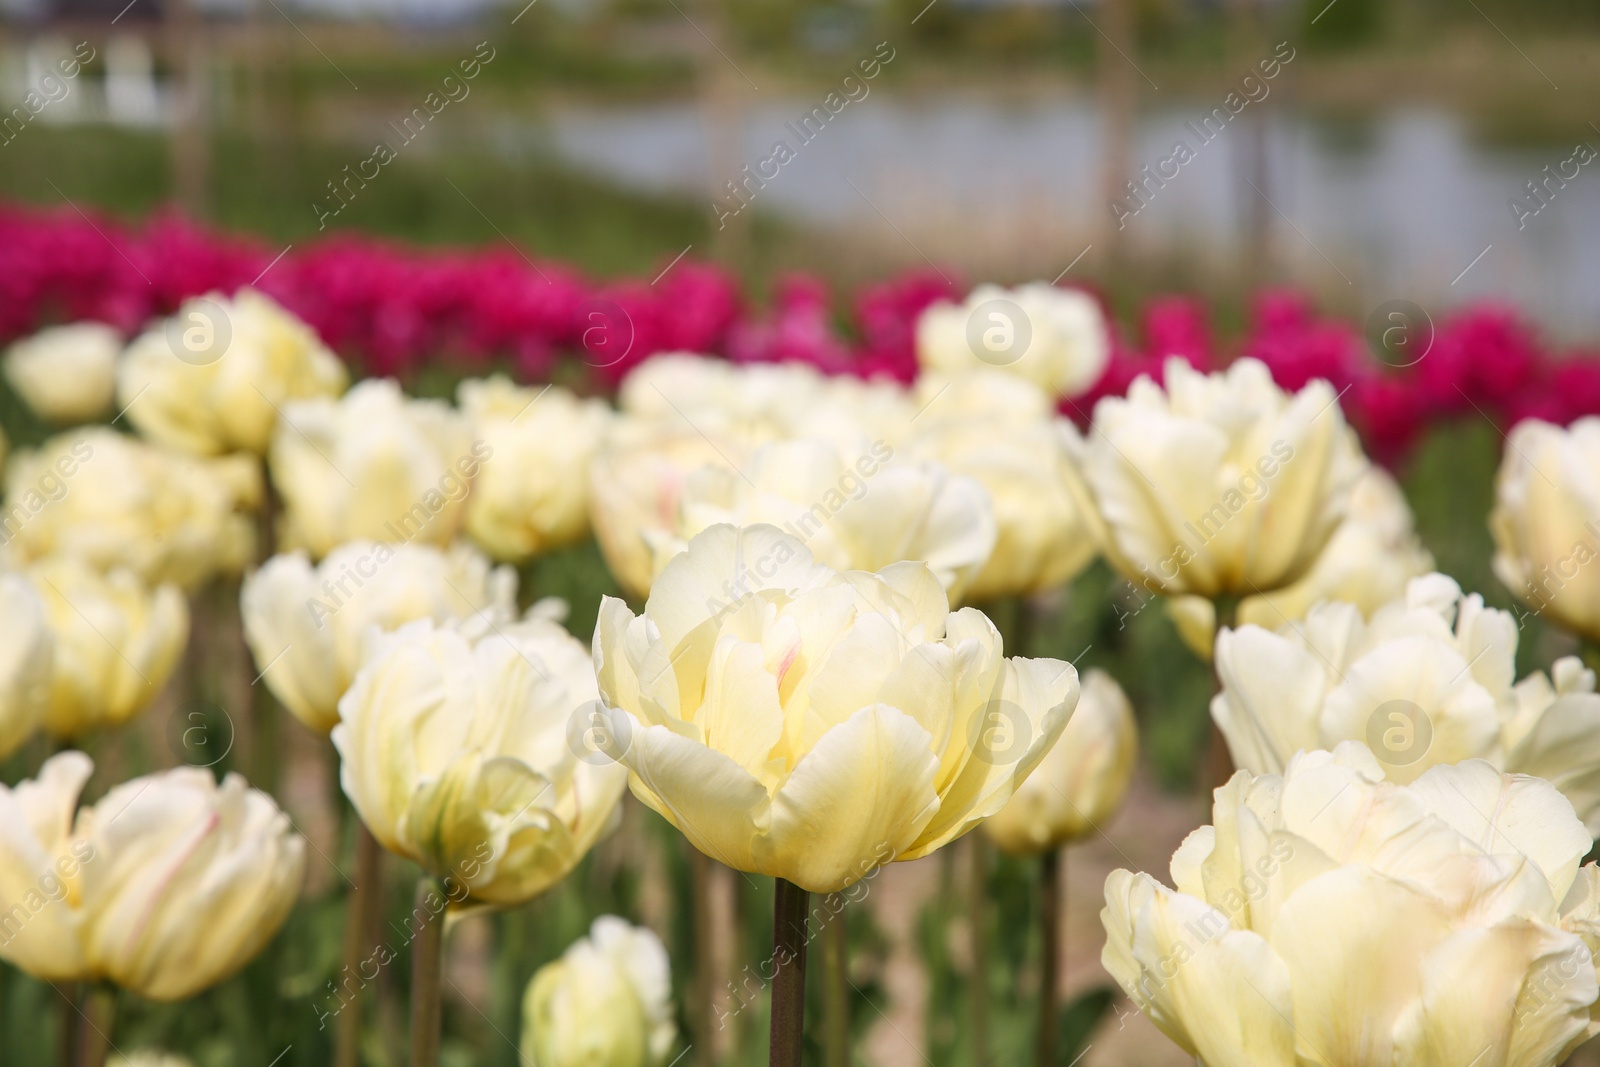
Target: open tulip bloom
[(1332, 918), (1427, 681), (1219, 485), (166, 886), (811, 724)]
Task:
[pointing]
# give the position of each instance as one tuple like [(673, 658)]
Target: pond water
[(1397, 205)]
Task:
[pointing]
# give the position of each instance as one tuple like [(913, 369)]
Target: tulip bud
[(306, 624), (1546, 521), (812, 725), (1081, 781), (1329, 909), (455, 752), (166, 887), (375, 466), (66, 374), (532, 494), (607, 1002), (215, 377), (1057, 339), (116, 643), (1221, 484)]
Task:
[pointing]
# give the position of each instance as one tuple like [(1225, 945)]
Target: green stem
[(66, 1024), (94, 1031), (1219, 764), (1044, 1049), (427, 968), (789, 906), (835, 985), (978, 920), (705, 957), (359, 939)]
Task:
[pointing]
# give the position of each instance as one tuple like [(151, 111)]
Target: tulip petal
[(1513, 995), (718, 805), (1329, 933), (1504, 813), (864, 791), (1220, 993)]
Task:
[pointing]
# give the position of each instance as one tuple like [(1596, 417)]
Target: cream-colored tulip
[(753, 403), (373, 466), (459, 754), (190, 879), (115, 501), (635, 483), (607, 1002), (1002, 433), (1370, 558), (1221, 484), (1082, 780), (215, 377), (854, 511), (1331, 917), (166, 887), (800, 722), (1546, 521), (1058, 339), (67, 374), (533, 495), (27, 653), (1429, 680), (116, 642), (306, 624), (41, 863)]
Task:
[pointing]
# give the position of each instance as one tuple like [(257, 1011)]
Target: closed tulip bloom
[(166, 887), (607, 1002), (216, 376), (1332, 917), (1546, 521), (799, 722), (1081, 781), (1221, 484), (306, 623), (1370, 558), (373, 466), (1058, 339), (115, 501), (1003, 434), (116, 642), (457, 755), (854, 510), (532, 496), (66, 374), (1428, 680), (27, 650)]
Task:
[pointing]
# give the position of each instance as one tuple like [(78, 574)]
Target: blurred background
[(1430, 151), (1382, 158)]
